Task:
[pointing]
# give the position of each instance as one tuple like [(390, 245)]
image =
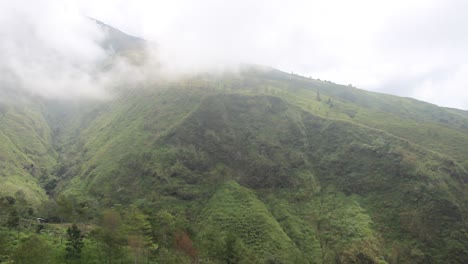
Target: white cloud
[(410, 48), (50, 48)]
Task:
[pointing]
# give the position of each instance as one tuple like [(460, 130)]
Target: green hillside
[(174, 146), (258, 166), (26, 154), (240, 226)]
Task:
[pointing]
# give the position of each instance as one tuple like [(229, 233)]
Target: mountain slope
[(243, 222), (175, 146), (439, 129), (257, 166), (26, 155)]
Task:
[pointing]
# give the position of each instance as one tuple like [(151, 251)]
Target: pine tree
[(74, 244)]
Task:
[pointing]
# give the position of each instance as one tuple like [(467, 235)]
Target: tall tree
[(110, 235), (74, 244)]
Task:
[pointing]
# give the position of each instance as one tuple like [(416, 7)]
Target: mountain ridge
[(257, 166)]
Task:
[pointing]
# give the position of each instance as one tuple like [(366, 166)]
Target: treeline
[(116, 235)]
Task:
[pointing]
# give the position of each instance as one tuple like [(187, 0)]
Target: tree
[(231, 255), (185, 244), (237, 252), (138, 231), (13, 221), (74, 244), (6, 204), (3, 247), (137, 245), (164, 228), (66, 208), (32, 250), (110, 236), (21, 204)]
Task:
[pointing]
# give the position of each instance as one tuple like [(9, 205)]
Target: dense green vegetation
[(257, 166), (26, 154)]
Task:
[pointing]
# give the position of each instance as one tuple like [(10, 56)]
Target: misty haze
[(241, 132)]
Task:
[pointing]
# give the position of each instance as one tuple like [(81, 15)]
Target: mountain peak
[(117, 40)]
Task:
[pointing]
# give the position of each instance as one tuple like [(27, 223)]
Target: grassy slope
[(353, 176), (439, 129), (176, 144), (121, 135), (267, 144), (328, 226), (235, 213), (26, 155)]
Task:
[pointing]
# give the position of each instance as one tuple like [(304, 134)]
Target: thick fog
[(52, 49), (409, 48)]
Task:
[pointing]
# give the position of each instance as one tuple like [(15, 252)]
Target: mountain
[(117, 41), (257, 166), (26, 152)]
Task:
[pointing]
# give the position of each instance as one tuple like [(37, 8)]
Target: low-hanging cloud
[(408, 48), (48, 48), (51, 49), (418, 44)]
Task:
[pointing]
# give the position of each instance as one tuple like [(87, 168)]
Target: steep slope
[(117, 41), (439, 129), (246, 228), (268, 144), (118, 140), (26, 154), (257, 166), (174, 147)]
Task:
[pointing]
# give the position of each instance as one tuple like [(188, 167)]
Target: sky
[(412, 48)]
